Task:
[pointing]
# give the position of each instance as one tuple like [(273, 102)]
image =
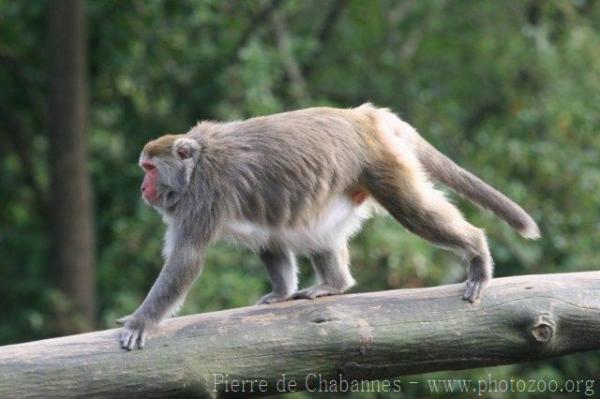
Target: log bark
[(360, 336)]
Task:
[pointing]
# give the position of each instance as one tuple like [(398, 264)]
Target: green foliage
[(508, 89)]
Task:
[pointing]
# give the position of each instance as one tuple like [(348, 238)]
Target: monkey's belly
[(339, 220)]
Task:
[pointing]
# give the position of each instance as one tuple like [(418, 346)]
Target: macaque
[(302, 183)]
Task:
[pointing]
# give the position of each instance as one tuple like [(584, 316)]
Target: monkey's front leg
[(175, 279)]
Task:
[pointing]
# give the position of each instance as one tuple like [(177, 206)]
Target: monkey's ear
[(186, 148)]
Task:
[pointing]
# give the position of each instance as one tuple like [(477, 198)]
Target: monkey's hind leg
[(333, 273), (282, 270), (412, 200)]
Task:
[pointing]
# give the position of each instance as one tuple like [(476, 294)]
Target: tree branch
[(323, 35), (293, 72), (300, 72), (353, 337), (12, 65), (256, 22), (20, 140)]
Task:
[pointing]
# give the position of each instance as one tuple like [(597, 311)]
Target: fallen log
[(290, 346)]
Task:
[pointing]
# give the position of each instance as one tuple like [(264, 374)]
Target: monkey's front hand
[(135, 330)]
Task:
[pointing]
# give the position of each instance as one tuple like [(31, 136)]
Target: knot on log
[(542, 333), (543, 329)]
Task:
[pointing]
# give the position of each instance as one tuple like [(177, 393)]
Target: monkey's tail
[(444, 170)]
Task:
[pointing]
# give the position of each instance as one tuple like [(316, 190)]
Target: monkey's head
[(168, 164)]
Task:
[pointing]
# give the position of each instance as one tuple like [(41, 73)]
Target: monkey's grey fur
[(300, 183)]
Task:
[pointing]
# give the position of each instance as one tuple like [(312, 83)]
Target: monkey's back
[(283, 169)]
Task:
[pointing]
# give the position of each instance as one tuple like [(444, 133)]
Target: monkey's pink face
[(168, 165), (149, 185)]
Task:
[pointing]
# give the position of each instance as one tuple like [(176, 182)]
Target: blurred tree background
[(509, 89)]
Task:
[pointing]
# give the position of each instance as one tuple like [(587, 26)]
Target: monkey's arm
[(183, 264)]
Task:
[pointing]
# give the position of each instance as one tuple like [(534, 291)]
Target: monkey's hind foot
[(478, 277), (272, 297), (315, 292), (474, 290)]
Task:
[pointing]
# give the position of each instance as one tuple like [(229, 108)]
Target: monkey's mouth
[(149, 197), (169, 198)]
